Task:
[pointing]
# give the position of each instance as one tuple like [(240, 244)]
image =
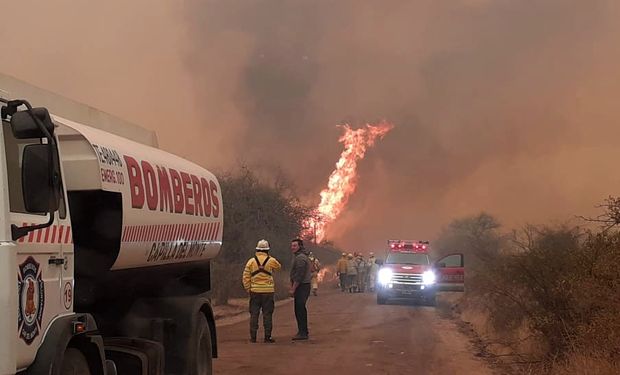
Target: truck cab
[(409, 273)]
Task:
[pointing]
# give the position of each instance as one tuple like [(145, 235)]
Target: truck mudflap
[(174, 322), (76, 330), (135, 356)]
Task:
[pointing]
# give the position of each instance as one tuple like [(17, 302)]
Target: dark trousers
[(258, 302), (351, 285), (301, 313), (343, 281)]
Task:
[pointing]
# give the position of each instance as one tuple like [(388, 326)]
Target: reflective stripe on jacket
[(259, 279)]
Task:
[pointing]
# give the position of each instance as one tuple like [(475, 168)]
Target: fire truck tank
[(140, 216)]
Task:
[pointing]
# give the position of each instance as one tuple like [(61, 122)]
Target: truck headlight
[(385, 276), (429, 278)]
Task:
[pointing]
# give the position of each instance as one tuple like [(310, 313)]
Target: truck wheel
[(74, 363), (431, 300), (202, 363)]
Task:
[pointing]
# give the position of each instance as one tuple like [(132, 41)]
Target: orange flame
[(343, 180)]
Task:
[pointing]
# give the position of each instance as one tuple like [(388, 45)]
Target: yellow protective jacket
[(258, 273), (342, 265)]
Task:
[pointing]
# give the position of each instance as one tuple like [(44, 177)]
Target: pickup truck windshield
[(407, 258)]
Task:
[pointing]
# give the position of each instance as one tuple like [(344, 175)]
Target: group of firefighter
[(357, 274)]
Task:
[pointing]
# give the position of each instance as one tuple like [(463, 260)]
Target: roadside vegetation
[(545, 299)]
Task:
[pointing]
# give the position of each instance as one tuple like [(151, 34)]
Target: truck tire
[(74, 363), (202, 361)]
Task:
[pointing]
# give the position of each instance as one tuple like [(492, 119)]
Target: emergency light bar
[(404, 245)]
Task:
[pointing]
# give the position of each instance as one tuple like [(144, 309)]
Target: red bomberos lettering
[(169, 190)]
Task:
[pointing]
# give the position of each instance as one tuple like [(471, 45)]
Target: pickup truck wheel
[(430, 300), (74, 363), (381, 299), (202, 363)]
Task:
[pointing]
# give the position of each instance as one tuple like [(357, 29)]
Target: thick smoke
[(499, 105)]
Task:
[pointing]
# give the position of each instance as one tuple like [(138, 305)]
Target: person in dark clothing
[(301, 275)]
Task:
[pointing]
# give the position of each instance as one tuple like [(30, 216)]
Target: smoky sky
[(504, 106)]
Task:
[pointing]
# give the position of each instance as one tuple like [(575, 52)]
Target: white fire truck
[(105, 244)]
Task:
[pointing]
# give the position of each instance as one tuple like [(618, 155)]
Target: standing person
[(342, 271), (351, 273), (373, 268), (301, 275), (361, 272), (315, 267), (258, 282)]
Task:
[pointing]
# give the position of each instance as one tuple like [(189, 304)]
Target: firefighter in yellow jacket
[(258, 282), (341, 269)]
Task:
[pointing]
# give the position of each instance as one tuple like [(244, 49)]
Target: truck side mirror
[(379, 262), (441, 265), (25, 127), (41, 195)]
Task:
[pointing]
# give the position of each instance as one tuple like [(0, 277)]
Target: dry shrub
[(556, 288), (585, 364), (563, 284)]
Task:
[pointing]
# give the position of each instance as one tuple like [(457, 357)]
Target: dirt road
[(351, 334)]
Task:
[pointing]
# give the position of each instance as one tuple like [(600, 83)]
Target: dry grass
[(585, 365)]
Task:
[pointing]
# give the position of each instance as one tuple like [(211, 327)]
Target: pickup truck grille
[(407, 278)]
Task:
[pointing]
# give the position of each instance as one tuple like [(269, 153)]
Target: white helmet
[(262, 245)]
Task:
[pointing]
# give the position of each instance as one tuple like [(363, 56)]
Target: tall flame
[(343, 180)]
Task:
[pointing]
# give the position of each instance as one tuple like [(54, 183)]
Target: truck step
[(135, 356)]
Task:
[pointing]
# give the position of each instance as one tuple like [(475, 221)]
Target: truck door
[(451, 273), (40, 261)]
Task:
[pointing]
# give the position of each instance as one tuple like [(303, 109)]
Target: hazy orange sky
[(500, 105)]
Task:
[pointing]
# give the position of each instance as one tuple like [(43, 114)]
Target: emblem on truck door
[(30, 291)]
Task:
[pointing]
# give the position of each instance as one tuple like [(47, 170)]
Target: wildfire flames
[(342, 182)]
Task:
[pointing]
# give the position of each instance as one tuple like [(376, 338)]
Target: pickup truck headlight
[(385, 276), (429, 278)]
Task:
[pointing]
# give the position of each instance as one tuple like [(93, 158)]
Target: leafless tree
[(610, 217)]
